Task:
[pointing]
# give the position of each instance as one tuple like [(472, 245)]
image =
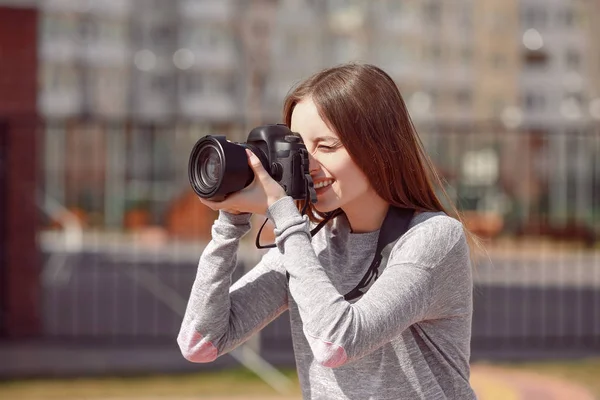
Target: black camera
[(218, 167)]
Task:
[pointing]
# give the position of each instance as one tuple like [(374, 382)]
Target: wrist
[(274, 199), (240, 218), (281, 210)]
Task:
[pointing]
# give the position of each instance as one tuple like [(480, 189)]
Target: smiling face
[(339, 182)]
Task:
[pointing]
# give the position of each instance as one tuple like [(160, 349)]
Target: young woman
[(408, 336)]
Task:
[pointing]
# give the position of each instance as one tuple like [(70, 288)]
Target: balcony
[(106, 54), (59, 51), (112, 8)]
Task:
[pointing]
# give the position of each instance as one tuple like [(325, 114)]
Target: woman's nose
[(313, 165)]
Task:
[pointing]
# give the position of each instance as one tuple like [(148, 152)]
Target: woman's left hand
[(254, 198)]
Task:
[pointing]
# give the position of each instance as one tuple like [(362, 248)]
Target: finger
[(215, 205), (210, 204), (256, 165)]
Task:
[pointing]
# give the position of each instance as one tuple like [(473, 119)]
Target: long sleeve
[(219, 316), (413, 287)]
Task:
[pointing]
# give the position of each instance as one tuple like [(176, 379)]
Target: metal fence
[(106, 282)]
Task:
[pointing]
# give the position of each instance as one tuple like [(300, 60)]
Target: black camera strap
[(395, 225), (313, 231), (310, 196)]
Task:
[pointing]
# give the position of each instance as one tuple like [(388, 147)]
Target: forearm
[(206, 318), (337, 330)]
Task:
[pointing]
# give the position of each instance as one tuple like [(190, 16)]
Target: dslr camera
[(218, 167)]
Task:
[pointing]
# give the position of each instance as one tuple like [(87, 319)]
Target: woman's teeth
[(323, 184)]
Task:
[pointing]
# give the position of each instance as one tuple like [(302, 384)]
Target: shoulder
[(433, 237)]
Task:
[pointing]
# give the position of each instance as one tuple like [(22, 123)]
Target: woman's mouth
[(322, 186)]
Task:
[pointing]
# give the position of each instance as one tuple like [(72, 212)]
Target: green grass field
[(586, 372), (239, 383), (232, 384)]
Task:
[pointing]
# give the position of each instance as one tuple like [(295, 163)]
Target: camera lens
[(210, 167), (218, 167)]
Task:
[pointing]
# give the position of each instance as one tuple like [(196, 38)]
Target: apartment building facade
[(559, 100), (185, 68)]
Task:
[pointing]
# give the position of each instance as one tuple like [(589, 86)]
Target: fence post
[(20, 294)]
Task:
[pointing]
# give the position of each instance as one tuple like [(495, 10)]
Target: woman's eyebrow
[(318, 139), (324, 138)]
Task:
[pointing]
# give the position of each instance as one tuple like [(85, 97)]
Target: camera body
[(283, 155), (218, 167)]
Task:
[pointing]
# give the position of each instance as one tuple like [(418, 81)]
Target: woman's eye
[(328, 147)]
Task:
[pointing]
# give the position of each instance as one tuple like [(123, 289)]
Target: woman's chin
[(323, 206)]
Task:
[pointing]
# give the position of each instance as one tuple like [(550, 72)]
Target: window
[(162, 84), (534, 17), (394, 7), (572, 59), (535, 101), (88, 30), (498, 61), (536, 59), (208, 84), (435, 52), (432, 12), (293, 45), (191, 83), (465, 17), (568, 18), (466, 55), (260, 29), (162, 35), (206, 37), (59, 27), (463, 97), (113, 32), (60, 77), (392, 51), (497, 105)]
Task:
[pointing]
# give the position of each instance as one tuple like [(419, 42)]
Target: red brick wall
[(18, 91)]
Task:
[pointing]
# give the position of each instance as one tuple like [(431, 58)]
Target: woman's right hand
[(210, 204)]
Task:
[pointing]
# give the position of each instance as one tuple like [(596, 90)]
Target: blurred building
[(197, 59), (559, 102), (556, 81), (428, 47), (145, 78)]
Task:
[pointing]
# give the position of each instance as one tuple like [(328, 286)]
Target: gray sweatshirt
[(408, 337)]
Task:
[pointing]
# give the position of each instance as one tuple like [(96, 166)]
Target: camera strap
[(313, 231), (395, 225), (310, 196)]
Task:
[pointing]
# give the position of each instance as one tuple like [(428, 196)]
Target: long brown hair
[(363, 106)]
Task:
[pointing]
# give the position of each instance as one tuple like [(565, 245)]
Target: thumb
[(256, 165)]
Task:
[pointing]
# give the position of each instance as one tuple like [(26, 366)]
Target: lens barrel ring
[(218, 167)]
